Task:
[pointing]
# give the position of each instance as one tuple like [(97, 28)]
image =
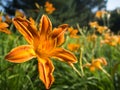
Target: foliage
[(70, 11), (115, 17)]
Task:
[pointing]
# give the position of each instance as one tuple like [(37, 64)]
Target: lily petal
[(3, 25), (45, 27), (64, 55), (58, 33), (26, 28), (46, 68), (20, 54), (5, 30)]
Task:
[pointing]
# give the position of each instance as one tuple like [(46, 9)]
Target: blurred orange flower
[(73, 32), (4, 27), (101, 29), (96, 64), (100, 14), (112, 40), (73, 47), (49, 7), (93, 24), (43, 43), (8, 19), (91, 37)]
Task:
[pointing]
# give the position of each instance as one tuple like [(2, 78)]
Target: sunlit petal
[(3, 25), (26, 28), (64, 55), (45, 27), (49, 7), (20, 54), (21, 24), (46, 69), (58, 33)]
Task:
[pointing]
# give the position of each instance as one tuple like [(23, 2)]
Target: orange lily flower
[(73, 47), (73, 32), (93, 24), (3, 27), (43, 43), (112, 40), (101, 29), (49, 7), (100, 14), (96, 64)]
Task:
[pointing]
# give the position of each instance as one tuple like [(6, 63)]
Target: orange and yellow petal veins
[(3, 28), (45, 27), (22, 26), (46, 68), (63, 55), (21, 54), (58, 34)]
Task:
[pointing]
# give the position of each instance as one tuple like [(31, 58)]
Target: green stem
[(104, 23), (80, 30), (81, 66), (106, 73), (108, 25), (39, 14), (74, 68)]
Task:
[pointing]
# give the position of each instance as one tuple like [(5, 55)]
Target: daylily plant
[(43, 43), (73, 47), (73, 32), (96, 64), (4, 27), (49, 8), (100, 14), (93, 24)]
